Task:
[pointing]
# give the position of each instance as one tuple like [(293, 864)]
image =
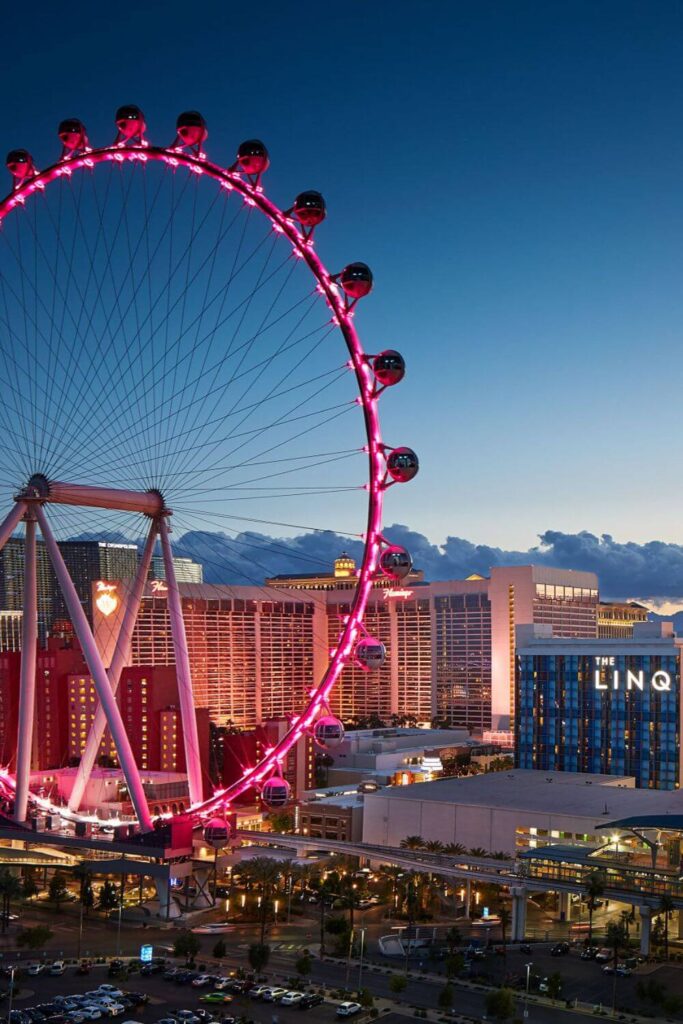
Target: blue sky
[(513, 172)]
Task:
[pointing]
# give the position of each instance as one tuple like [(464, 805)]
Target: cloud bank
[(650, 572)]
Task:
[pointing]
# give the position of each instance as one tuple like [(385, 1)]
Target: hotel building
[(616, 619), (564, 600), (608, 707)]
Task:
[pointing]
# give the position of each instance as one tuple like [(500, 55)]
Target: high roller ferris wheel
[(172, 345)]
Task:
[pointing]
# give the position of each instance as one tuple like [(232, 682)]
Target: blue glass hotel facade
[(599, 706)]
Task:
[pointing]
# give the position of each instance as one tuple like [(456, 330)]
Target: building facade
[(617, 618), (564, 600), (609, 707), (186, 570)]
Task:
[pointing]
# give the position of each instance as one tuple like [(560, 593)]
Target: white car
[(212, 928), (291, 998), (90, 1012), (273, 994), (115, 1009), (220, 984), (258, 991), (186, 1017), (110, 990), (348, 1009), (58, 967), (202, 980), (36, 969)]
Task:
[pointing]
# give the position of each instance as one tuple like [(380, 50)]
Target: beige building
[(564, 599)]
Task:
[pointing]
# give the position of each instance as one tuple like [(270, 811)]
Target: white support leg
[(11, 522), (120, 659), (98, 673), (27, 685), (183, 674)]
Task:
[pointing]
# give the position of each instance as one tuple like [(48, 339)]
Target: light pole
[(11, 994), (526, 990), (360, 965)]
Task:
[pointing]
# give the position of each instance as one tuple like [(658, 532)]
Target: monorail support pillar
[(645, 930), (518, 922)]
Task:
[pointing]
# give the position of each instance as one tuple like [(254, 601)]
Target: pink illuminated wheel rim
[(293, 227)]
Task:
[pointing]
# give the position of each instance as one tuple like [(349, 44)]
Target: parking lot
[(165, 1000)]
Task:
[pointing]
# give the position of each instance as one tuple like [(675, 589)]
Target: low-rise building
[(512, 810)]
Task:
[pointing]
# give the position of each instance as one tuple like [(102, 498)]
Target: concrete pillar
[(645, 929), (468, 899), (565, 906), (680, 924), (518, 922)]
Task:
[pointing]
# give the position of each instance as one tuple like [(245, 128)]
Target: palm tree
[(666, 907), (454, 849), (434, 846), (412, 843), (265, 873), (594, 888), (477, 851), (615, 939)]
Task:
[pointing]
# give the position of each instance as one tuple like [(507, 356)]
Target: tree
[(477, 851), (500, 1004), (10, 889), (281, 821), (87, 896), (265, 873), (555, 985), (594, 888), (398, 983), (108, 898), (186, 944), (258, 954), (220, 949), (34, 938), (446, 997), (505, 916), (57, 890), (304, 966), (412, 843), (453, 938), (666, 908), (454, 965), (615, 940), (434, 846), (454, 849), (28, 886)]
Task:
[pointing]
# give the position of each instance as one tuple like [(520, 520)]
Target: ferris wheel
[(173, 350)]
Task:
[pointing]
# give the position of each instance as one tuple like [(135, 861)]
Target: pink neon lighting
[(343, 318)]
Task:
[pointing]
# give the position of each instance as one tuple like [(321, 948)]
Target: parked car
[(559, 949), (57, 968), (216, 998), (35, 969), (137, 998), (257, 991), (273, 994), (309, 1000), (590, 952), (292, 998), (347, 1009), (525, 947), (186, 1017), (603, 955), (110, 990), (205, 1016)]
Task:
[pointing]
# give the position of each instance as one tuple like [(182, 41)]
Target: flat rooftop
[(580, 794)]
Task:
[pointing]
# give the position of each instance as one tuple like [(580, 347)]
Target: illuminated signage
[(607, 677), (107, 599), (399, 594), (146, 954), (159, 587)]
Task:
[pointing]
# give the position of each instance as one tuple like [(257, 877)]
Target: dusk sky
[(512, 172)]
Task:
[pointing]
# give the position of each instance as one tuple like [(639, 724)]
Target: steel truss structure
[(34, 500)]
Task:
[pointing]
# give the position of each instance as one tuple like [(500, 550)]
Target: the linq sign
[(607, 677)]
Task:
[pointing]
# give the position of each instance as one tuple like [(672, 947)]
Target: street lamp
[(526, 992), (360, 965), (11, 994)]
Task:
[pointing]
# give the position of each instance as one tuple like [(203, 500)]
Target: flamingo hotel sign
[(607, 677)]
